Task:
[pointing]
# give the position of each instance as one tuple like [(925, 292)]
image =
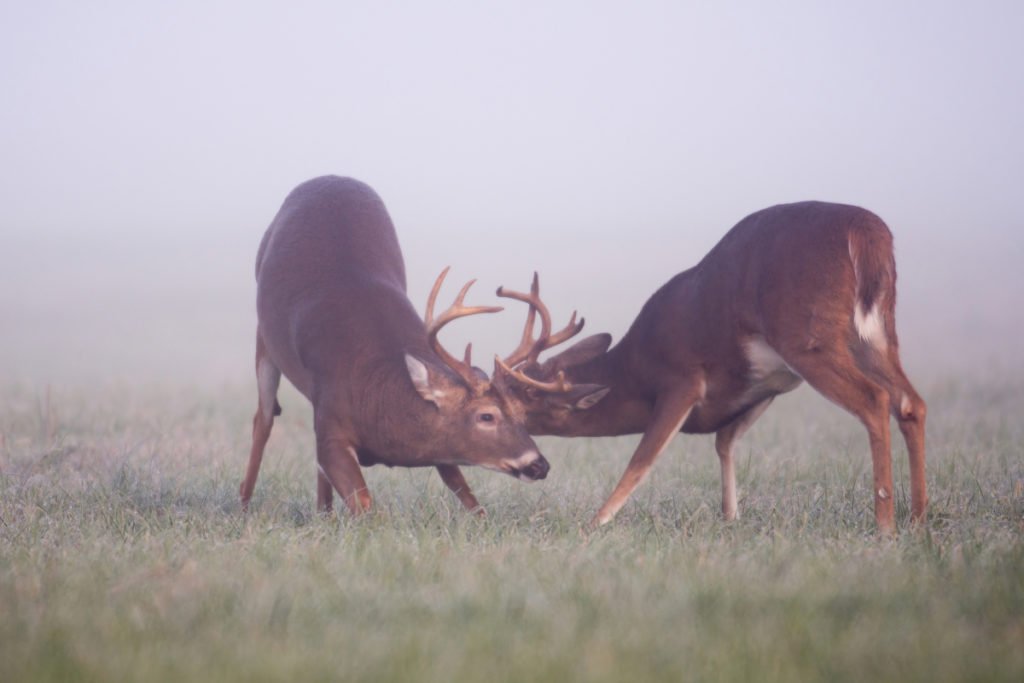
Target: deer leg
[(340, 466), (725, 439), (912, 427), (670, 413), (910, 411), (453, 479), (324, 493), (268, 378), (835, 374)]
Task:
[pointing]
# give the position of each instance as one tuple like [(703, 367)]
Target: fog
[(144, 150)]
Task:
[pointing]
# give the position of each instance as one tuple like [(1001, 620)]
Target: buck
[(334, 318), (796, 292)]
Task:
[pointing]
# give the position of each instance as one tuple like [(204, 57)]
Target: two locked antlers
[(529, 349)]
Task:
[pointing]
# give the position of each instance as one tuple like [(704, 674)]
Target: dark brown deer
[(795, 292), (333, 316)]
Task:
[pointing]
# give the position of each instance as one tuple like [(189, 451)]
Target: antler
[(457, 310), (529, 350), (560, 384)]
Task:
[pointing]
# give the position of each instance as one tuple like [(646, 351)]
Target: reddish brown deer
[(795, 292), (333, 316)]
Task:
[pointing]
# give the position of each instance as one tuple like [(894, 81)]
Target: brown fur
[(784, 276), (334, 318)]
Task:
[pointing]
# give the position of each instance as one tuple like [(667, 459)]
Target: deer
[(334, 318), (793, 293)]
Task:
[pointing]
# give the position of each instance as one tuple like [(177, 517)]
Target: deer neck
[(626, 409), (394, 425)]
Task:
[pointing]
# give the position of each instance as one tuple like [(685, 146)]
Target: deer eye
[(487, 418)]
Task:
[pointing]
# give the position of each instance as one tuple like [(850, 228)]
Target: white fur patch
[(870, 326), (510, 465), (523, 460), (268, 378), (764, 360), (905, 405), (769, 374)]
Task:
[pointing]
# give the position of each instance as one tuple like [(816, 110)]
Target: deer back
[(331, 290)]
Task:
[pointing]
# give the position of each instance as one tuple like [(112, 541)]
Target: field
[(124, 556)]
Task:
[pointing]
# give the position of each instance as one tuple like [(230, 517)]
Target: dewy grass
[(124, 556)]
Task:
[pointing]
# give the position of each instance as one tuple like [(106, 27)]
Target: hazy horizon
[(145, 150)]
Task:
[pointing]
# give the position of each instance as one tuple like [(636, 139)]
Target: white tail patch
[(870, 325)]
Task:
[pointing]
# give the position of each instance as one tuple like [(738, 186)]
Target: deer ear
[(580, 352), (420, 376), (585, 396)]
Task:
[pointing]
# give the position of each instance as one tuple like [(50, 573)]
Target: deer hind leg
[(725, 439), (910, 416), (910, 412), (670, 413), (453, 479), (835, 374), (268, 378)]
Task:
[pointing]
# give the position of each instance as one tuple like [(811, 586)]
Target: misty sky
[(144, 149)]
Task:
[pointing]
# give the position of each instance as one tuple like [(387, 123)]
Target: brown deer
[(795, 292), (333, 316)]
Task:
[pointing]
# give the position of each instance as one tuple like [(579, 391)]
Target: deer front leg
[(453, 479), (340, 466), (324, 493), (725, 439), (670, 413), (268, 378)]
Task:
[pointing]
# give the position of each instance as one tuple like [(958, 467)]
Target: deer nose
[(537, 469)]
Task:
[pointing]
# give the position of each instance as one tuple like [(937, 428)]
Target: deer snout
[(530, 466), (538, 469)]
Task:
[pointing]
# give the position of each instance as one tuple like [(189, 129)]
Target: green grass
[(124, 557)]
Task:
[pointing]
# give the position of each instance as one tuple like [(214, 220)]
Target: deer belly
[(768, 374)]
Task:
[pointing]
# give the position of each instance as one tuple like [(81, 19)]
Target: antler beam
[(457, 310)]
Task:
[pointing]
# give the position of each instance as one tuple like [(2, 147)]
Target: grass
[(124, 557)]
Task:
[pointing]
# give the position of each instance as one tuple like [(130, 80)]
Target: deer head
[(474, 418)]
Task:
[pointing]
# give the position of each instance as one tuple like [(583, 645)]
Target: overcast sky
[(144, 149)]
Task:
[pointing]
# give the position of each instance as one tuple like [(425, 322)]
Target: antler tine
[(529, 350), (429, 316), (567, 333), (526, 342), (560, 385), (457, 310)]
